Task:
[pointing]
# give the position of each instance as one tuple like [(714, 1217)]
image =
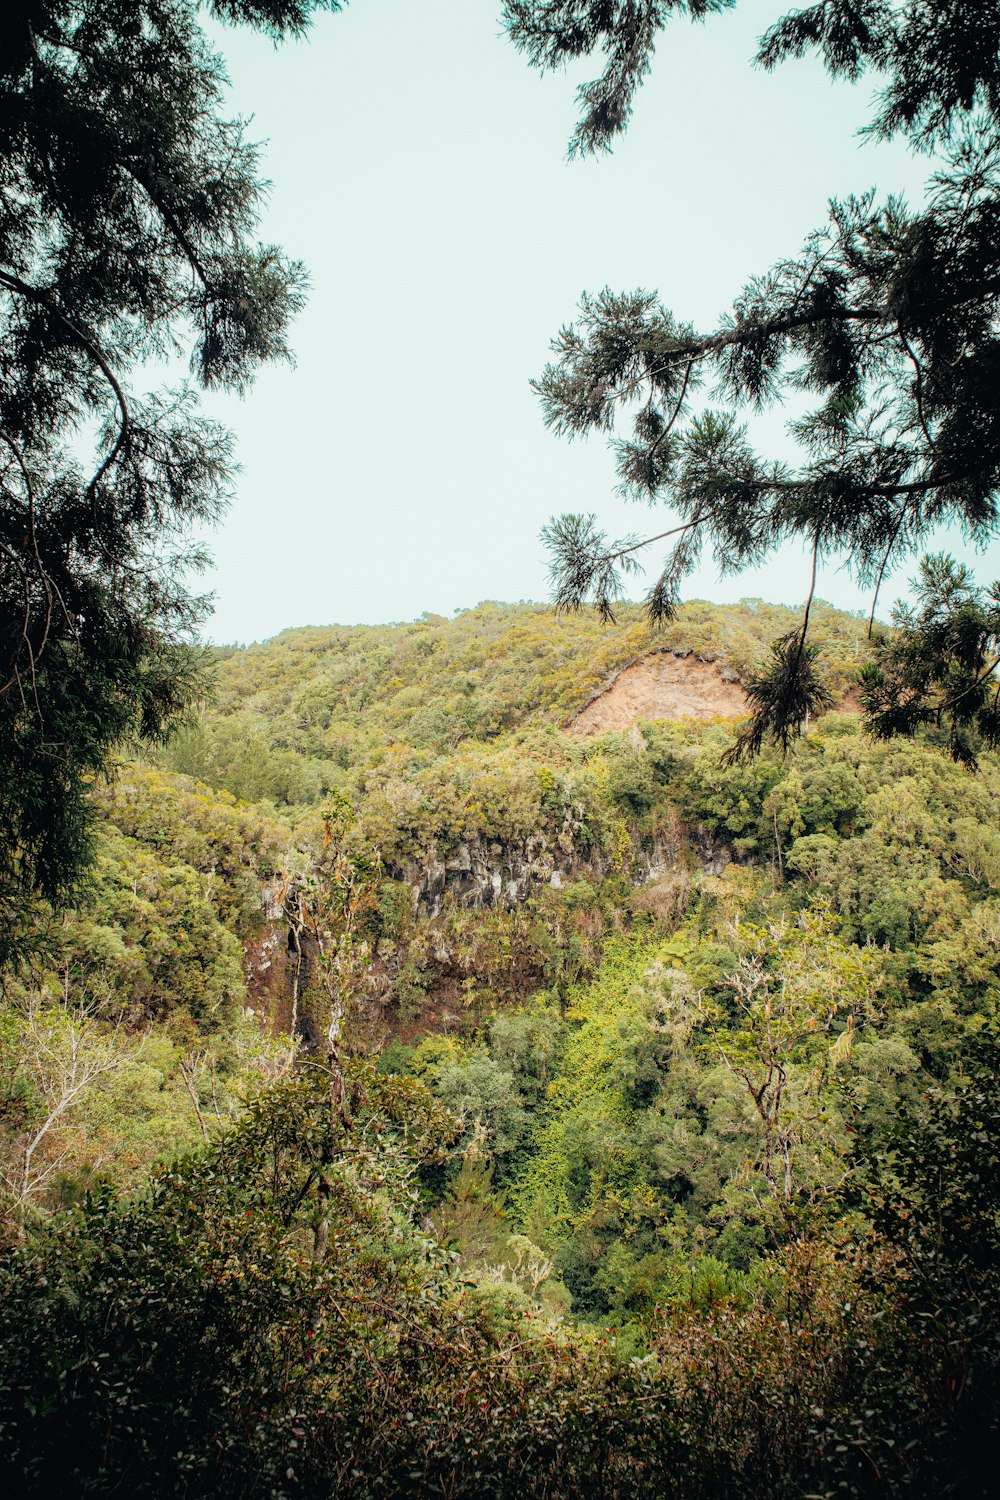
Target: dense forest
[(429, 1095), (523, 1054)]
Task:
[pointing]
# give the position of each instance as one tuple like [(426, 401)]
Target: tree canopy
[(128, 207), (887, 317)]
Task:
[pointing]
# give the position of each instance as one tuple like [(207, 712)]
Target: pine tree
[(887, 316), (128, 205)]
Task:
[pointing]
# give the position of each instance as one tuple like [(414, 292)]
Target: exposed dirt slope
[(662, 686)]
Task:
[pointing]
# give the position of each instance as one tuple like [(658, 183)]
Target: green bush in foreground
[(268, 1320)]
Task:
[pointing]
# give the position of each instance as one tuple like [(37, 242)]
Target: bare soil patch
[(662, 686)]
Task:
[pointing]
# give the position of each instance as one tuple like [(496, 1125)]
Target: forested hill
[(458, 1061), (303, 712), (429, 1069)]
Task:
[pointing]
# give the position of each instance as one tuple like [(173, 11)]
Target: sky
[(419, 169)]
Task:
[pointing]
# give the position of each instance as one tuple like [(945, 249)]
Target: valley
[(631, 1033)]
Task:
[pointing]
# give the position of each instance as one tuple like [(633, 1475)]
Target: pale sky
[(419, 169)]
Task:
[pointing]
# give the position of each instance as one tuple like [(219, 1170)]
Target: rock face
[(481, 874), (663, 686)]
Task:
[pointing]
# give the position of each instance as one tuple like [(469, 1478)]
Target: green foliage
[(797, 1001), (128, 206), (154, 938), (706, 1087), (554, 32), (349, 707), (237, 845), (130, 1023), (887, 318), (644, 1203), (783, 698), (203, 1338), (217, 1334), (699, 1195), (938, 666)]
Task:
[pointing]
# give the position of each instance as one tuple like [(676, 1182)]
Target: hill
[(308, 710), (505, 1046)]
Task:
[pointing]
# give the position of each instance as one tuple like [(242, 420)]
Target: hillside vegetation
[(452, 1104), (315, 708)]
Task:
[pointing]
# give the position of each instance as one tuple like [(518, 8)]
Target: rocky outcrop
[(480, 873)]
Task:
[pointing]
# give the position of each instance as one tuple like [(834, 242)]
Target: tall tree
[(888, 316), (128, 205)]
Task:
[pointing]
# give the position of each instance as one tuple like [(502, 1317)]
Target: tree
[(888, 317), (796, 999), (325, 906), (127, 212), (52, 1059), (183, 1341)]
